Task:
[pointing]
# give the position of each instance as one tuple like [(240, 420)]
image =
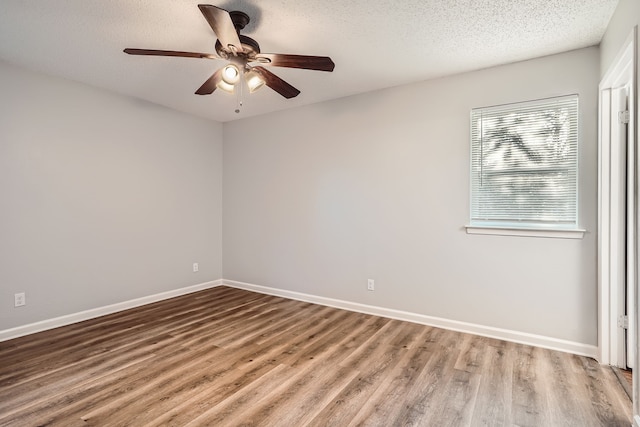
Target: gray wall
[(107, 199), (626, 16), (103, 198), (320, 198)]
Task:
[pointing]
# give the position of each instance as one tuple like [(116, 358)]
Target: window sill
[(572, 233)]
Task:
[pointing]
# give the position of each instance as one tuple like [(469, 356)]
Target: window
[(524, 165)]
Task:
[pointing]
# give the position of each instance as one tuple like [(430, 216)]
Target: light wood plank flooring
[(228, 357)]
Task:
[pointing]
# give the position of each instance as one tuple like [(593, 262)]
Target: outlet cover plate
[(20, 299)]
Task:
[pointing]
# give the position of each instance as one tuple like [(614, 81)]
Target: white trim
[(454, 325), (573, 233), (623, 73), (68, 319), (625, 56), (618, 232), (610, 299), (604, 301)]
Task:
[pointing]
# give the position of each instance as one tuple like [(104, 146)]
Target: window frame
[(515, 227)]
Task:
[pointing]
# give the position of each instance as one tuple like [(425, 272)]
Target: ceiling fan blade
[(277, 84), (222, 25), (211, 84), (320, 63), (132, 51)]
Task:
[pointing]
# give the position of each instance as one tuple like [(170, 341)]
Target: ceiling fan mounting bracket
[(239, 19)]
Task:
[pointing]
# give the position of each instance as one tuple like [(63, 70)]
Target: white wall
[(103, 198), (320, 198)]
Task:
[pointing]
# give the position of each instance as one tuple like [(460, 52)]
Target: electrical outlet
[(20, 299), (195, 267), (371, 285)]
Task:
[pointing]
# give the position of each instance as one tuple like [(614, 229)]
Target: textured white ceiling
[(374, 44)]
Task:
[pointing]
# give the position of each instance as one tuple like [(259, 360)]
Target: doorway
[(616, 216)]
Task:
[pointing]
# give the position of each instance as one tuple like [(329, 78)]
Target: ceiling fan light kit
[(254, 81), (227, 87), (242, 52), (231, 74)]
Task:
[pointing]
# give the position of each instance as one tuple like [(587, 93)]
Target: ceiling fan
[(242, 52)]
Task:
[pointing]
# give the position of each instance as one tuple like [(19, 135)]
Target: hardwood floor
[(625, 377), (228, 357)]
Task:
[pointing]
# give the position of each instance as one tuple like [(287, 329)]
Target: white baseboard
[(487, 331), (454, 325), (68, 319)]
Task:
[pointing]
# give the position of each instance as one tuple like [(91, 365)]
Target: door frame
[(611, 298)]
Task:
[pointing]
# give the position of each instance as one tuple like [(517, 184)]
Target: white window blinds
[(524, 164)]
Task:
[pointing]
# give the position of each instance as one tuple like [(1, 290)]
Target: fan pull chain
[(239, 85)]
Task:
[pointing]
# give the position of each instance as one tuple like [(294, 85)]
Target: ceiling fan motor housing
[(250, 48)]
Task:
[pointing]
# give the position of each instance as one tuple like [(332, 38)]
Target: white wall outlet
[(195, 267), (20, 299), (371, 285)]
